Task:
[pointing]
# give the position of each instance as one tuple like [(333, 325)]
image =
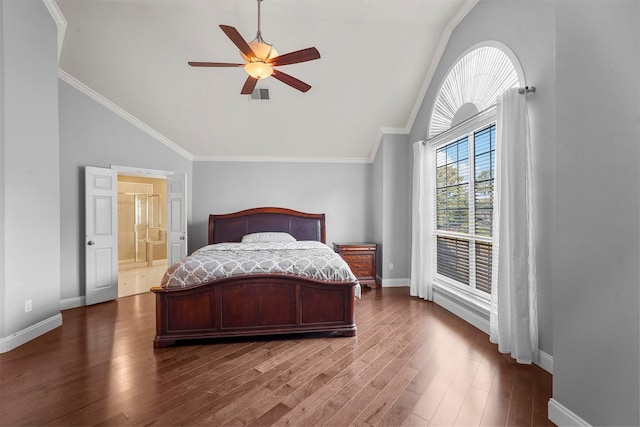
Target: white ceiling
[(377, 56)]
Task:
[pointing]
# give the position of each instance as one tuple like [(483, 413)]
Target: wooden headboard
[(231, 227)]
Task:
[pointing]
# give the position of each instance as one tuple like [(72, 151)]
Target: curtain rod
[(527, 89)]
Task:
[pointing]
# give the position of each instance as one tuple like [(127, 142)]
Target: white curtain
[(422, 255), (513, 318)]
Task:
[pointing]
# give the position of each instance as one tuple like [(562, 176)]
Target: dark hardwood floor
[(412, 363)]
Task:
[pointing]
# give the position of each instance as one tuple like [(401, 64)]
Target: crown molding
[(198, 158), (122, 113), (280, 159), (59, 19), (382, 132)]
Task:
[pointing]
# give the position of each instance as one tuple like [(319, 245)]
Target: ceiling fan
[(261, 58)]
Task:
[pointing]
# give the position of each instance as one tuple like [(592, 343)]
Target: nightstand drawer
[(359, 262), (361, 258)]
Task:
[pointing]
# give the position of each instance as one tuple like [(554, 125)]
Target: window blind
[(465, 170)]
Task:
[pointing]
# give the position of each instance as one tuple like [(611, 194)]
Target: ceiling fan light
[(258, 69), (262, 51)]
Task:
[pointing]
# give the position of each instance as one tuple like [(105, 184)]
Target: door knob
[(91, 242), (181, 237)]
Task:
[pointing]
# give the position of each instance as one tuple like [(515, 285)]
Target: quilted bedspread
[(303, 258)]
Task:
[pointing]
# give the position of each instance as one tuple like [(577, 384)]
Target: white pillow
[(269, 236)]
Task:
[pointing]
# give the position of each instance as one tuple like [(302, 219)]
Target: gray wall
[(396, 210), (29, 166), (2, 178), (377, 180), (92, 135), (596, 291), (341, 191)]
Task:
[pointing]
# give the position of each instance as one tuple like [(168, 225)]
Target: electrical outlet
[(28, 306), (390, 266)]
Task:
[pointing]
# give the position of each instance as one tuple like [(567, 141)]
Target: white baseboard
[(30, 333), (74, 302), (394, 283), (544, 360), (462, 312), (561, 416)]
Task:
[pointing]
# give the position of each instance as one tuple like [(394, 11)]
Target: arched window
[(461, 140), (473, 84)]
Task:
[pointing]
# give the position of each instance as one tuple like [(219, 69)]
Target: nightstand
[(361, 258)]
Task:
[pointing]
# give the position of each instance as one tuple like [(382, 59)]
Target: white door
[(101, 234), (176, 217)]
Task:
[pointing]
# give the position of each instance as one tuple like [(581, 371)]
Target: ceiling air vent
[(260, 93)]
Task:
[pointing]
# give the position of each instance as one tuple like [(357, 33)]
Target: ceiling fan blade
[(249, 85), (237, 39), (291, 81), (304, 55), (214, 64)]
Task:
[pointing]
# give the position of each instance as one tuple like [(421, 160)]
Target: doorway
[(142, 233)]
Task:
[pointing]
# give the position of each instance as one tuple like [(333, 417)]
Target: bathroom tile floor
[(132, 281)]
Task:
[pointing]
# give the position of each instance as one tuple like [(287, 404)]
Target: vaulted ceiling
[(377, 57)]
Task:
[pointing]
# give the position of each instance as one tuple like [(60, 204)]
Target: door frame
[(148, 173), (145, 173)]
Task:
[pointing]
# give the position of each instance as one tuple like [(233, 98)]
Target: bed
[(254, 302)]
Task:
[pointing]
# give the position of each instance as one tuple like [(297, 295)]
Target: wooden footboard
[(262, 304)]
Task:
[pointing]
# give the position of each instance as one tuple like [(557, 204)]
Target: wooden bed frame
[(256, 304)]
